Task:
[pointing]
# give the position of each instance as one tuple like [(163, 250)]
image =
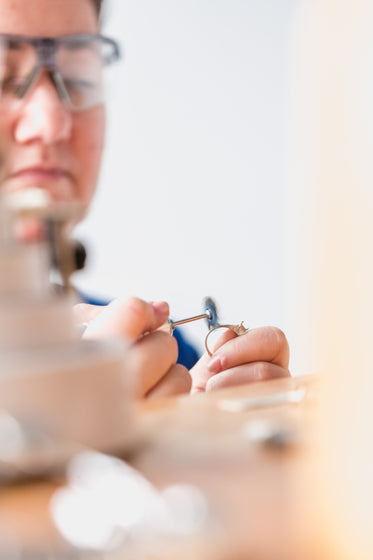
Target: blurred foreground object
[(57, 392), (331, 236)]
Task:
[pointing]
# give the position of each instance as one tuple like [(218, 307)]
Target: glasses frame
[(46, 49)]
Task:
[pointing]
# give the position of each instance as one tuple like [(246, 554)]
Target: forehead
[(47, 18)]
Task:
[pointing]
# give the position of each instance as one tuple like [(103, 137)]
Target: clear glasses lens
[(77, 70), (81, 67), (17, 61)]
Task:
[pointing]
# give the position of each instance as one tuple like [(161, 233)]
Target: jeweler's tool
[(210, 314)]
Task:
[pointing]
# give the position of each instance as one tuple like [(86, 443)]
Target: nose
[(42, 115)]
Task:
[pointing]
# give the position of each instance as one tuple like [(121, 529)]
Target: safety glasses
[(74, 64)]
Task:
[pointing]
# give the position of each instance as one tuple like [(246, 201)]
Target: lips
[(42, 173), (58, 181)]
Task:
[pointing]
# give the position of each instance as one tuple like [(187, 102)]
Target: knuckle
[(135, 305), (213, 384), (262, 371), (278, 338)]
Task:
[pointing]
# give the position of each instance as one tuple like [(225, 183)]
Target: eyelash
[(11, 83)]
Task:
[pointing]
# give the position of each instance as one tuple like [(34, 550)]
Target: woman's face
[(42, 143)]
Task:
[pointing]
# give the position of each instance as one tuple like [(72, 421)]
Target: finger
[(248, 373), (200, 373), (85, 312), (264, 344), (127, 318), (150, 358), (226, 335), (175, 382)]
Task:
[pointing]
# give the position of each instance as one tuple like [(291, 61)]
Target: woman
[(52, 135)]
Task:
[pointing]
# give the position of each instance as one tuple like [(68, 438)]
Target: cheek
[(89, 136), (6, 145)]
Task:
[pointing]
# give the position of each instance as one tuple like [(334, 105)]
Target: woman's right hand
[(152, 354)]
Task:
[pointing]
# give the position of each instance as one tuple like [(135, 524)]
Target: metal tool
[(210, 314)]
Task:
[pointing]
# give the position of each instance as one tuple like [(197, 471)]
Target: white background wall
[(191, 199)]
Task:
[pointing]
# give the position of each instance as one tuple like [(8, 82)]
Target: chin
[(54, 191)]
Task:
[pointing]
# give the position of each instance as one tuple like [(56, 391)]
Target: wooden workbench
[(249, 459)]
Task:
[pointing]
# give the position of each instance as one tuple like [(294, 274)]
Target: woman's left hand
[(260, 354)]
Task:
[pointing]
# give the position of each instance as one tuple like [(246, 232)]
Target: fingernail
[(215, 366), (161, 307)]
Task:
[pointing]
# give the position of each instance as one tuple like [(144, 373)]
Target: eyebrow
[(74, 45), (80, 46)]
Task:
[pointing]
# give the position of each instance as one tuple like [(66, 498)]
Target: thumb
[(126, 318)]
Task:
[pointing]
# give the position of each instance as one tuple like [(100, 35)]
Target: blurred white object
[(108, 505)]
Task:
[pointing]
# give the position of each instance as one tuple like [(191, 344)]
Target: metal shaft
[(206, 315)]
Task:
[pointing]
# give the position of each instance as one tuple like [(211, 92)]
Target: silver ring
[(238, 329)]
